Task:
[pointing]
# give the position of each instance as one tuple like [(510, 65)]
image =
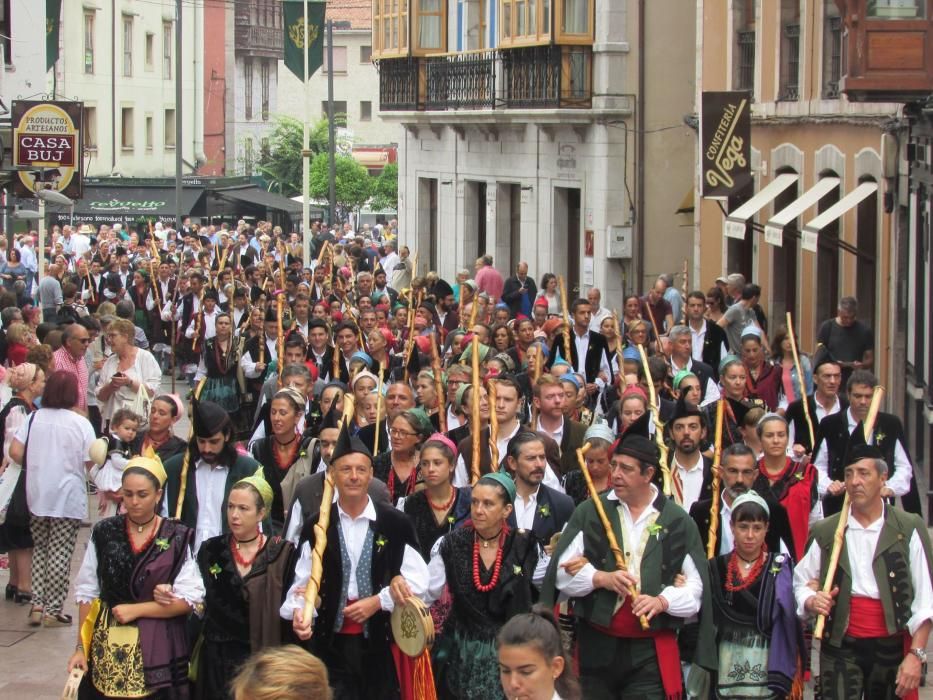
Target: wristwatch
[(920, 654)]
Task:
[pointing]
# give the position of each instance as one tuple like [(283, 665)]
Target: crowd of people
[(660, 502)]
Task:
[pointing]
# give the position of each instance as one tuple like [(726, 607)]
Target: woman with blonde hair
[(127, 371), (16, 348), (282, 673)]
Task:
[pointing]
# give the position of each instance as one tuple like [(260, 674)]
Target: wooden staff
[(90, 286), (658, 425), (607, 526), (717, 461), (566, 313), (475, 428), (839, 534), (411, 331), (152, 272), (198, 322), (378, 413), (280, 333), (438, 384), (684, 291), (654, 326), (183, 485), (474, 309), (493, 428), (320, 529), (534, 353), (800, 380), (620, 341)]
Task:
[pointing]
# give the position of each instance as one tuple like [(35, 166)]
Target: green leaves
[(353, 183)]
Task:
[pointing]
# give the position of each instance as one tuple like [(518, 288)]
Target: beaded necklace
[(734, 581), (496, 568), (443, 508), (241, 560)]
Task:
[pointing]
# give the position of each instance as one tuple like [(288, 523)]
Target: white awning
[(774, 229), (734, 225), (808, 237)]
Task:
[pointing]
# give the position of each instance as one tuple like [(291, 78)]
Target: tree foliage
[(353, 183), (280, 163), (385, 188)]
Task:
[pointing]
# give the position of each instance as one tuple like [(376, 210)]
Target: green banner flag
[(299, 38), (53, 24)]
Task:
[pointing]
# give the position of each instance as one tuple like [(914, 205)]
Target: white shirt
[(556, 435), (821, 413), (900, 473), (56, 471), (525, 512), (711, 392), (860, 545), (209, 325), (453, 420), (597, 318), (683, 602), (414, 569), (187, 584), (691, 479), (248, 364), (461, 478), (211, 482)]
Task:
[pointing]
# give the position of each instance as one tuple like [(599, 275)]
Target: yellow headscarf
[(153, 465), (258, 482)]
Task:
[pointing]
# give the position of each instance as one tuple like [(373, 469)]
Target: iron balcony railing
[(790, 89), (832, 64), (537, 77), (745, 67)]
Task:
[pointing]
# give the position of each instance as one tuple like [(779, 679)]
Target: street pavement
[(32, 660)]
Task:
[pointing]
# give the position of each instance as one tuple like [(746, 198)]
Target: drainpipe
[(198, 151), (639, 222), (113, 88)]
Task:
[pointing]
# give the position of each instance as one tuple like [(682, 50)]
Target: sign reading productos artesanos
[(47, 145)]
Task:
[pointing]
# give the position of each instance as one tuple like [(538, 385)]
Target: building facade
[(789, 55), (521, 135), (120, 61)]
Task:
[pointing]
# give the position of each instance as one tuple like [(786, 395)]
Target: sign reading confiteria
[(726, 133), (47, 144)]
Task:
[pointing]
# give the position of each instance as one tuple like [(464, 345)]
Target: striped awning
[(810, 233), (774, 229), (734, 225)]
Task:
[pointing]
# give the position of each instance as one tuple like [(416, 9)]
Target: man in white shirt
[(882, 598), (368, 545), (212, 470), (824, 401), (691, 472), (594, 296)]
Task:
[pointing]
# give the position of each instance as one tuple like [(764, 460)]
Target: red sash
[(625, 624), (866, 621), (349, 626)]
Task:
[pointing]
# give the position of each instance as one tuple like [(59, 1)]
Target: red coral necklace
[(496, 568)]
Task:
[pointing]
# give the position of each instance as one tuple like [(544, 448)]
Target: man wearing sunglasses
[(70, 358)]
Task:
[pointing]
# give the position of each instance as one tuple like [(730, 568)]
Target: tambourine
[(412, 627)]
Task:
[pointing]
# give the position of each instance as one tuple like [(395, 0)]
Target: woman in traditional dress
[(764, 379), (399, 467), (600, 437), (140, 567), (137, 293), (245, 575), (281, 451), (784, 481), (532, 661), (753, 597), (732, 388), (27, 382), (219, 363), (159, 440), (489, 570)]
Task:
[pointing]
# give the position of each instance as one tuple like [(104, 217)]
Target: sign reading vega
[(47, 146), (725, 154)]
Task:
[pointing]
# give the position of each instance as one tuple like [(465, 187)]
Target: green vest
[(891, 566)]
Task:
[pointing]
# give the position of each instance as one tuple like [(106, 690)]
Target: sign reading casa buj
[(47, 147), (726, 133)]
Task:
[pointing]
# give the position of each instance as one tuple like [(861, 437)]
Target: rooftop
[(357, 12)]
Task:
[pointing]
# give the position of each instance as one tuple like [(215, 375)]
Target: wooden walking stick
[(717, 462), (658, 425), (568, 329), (438, 384), (378, 414), (320, 529), (801, 380), (474, 411), (186, 460), (280, 333), (607, 526), (411, 330), (654, 326), (535, 355), (684, 291), (493, 427), (839, 534)]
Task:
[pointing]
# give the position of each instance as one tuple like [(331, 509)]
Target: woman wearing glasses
[(399, 467)]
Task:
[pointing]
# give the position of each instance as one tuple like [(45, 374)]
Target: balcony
[(261, 42), (537, 77)]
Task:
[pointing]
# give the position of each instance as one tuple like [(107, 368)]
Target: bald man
[(520, 291)]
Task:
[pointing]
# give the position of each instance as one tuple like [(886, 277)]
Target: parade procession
[(446, 401)]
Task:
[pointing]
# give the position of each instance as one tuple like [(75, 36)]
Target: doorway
[(827, 258), (567, 238), (427, 223)]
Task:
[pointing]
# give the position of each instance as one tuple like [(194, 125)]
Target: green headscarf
[(258, 482)]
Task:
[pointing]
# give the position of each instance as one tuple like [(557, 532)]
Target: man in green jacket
[(618, 657), (214, 466)]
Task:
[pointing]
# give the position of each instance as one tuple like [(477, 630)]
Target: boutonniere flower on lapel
[(450, 519), (879, 438), (215, 569), (381, 542), (162, 543), (517, 570), (545, 510), (655, 530)]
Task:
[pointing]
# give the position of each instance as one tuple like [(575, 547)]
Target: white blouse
[(145, 369), (187, 585)]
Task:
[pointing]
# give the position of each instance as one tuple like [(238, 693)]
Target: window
[(575, 21), (390, 28), (429, 25), (474, 24), (248, 88), (89, 42), (169, 121), (340, 111), (127, 47), (524, 22), (248, 156), (126, 128), (366, 111), (366, 54), (832, 50), (167, 50), (89, 120), (150, 50), (896, 9), (340, 60), (148, 132), (790, 50), (264, 150), (264, 88), (743, 62)]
